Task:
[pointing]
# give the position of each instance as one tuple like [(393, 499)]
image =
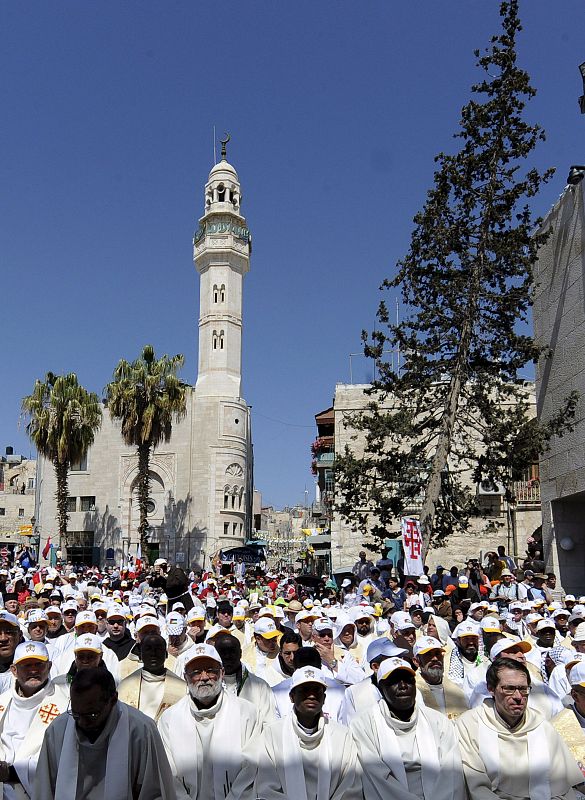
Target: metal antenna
[(398, 346), (214, 148)]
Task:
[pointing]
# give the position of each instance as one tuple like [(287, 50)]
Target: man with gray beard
[(438, 692), (205, 732)]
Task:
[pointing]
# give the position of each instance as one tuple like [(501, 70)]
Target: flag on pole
[(138, 559), (47, 548), (412, 544), (36, 579)]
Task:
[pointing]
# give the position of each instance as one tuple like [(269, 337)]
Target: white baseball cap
[(195, 614), (36, 650), (147, 622), (579, 633), (307, 675), (36, 615), (323, 624), (266, 628), (390, 665), (202, 651), (465, 629), (545, 623), (6, 616), (576, 674), (425, 644), (115, 611), (508, 643), (561, 612), (383, 647), (490, 625), (88, 641), (85, 617)]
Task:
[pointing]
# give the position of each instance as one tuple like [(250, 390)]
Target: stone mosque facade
[(201, 485)]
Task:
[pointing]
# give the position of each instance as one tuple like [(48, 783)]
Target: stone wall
[(486, 533), (559, 323)]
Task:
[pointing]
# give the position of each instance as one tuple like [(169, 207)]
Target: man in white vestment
[(87, 654), (152, 688), (365, 695), (406, 750), (102, 749), (511, 751), (540, 699), (239, 681), (204, 734), (305, 755), (26, 710), (437, 690), (63, 648), (309, 657), (261, 657)]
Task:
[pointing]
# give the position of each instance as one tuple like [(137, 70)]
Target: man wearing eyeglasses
[(337, 663), (508, 749), (102, 748), (205, 732), (26, 710)]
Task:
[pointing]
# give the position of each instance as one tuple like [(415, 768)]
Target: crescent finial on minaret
[(224, 146)]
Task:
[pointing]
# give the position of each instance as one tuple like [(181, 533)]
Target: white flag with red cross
[(412, 544)]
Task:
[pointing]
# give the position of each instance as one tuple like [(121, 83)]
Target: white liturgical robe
[(23, 723), (530, 762), (291, 762), (205, 746), (255, 690), (419, 758)]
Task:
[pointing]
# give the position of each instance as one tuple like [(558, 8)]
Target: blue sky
[(336, 111)]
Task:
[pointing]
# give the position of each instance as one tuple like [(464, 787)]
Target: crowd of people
[(463, 683)]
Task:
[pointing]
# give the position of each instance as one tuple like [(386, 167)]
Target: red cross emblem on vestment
[(411, 538), (48, 713)]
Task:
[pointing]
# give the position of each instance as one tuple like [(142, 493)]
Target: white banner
[(412, 544)]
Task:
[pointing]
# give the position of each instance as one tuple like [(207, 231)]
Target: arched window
[(221, 340), (222, 293), (226, 496), (215, 294), (214, 340), (220, 193)]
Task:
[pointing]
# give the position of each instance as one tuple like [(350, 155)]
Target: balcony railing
[(527, 492), (325, 459)]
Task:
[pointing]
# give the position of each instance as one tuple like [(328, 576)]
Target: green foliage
[(146, 396), (458, 404), (63, 421)]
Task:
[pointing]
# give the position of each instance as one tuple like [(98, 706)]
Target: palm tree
[(146, 396), (63, 421)]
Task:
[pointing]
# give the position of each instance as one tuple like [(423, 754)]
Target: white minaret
[(221, 251)]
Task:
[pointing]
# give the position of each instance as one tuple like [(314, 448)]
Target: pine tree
[(458, 403)]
